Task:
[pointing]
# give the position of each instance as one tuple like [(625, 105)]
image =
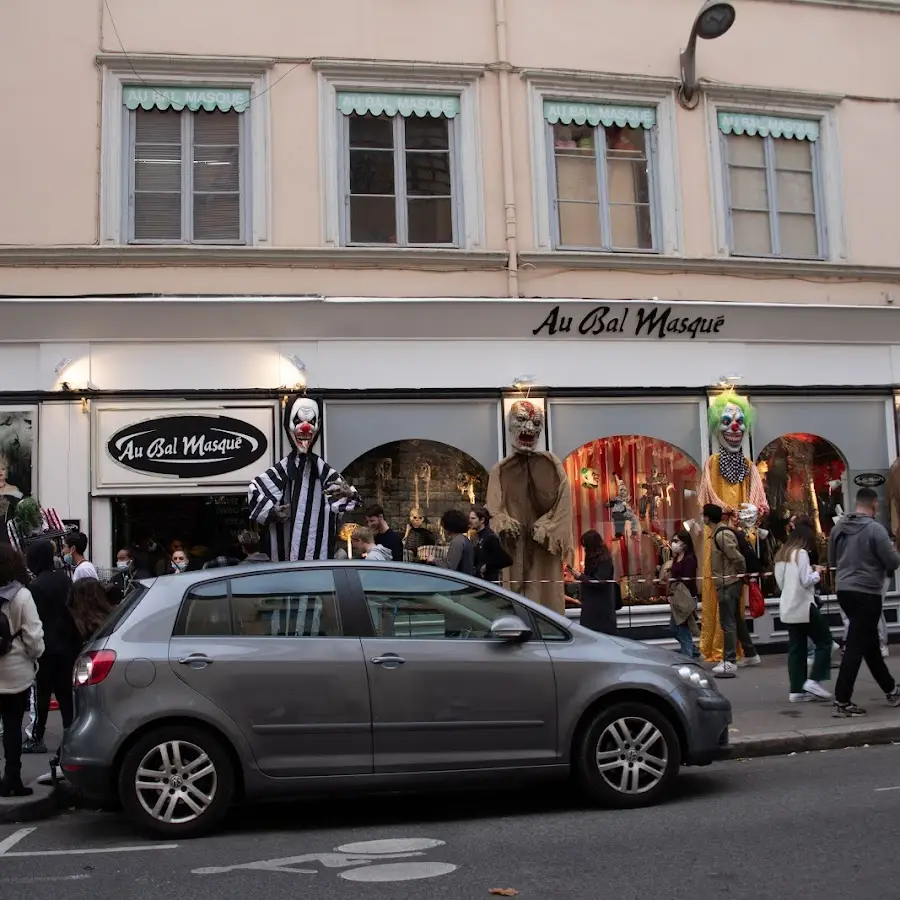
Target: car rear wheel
[(628, 756), (176, 782)]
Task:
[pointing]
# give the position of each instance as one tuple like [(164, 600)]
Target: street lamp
[(713, 20)]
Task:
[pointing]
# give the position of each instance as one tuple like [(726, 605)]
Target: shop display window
[(416, 482), (804, 475), (636, 492)]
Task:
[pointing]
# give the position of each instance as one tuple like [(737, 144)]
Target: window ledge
[(877, 5), (737, 266), (301, 257)]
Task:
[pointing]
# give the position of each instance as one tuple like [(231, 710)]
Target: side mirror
[(510, 628)]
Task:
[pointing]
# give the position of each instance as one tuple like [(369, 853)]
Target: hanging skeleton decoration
[(301, 498), (422, 474), (384, 470)]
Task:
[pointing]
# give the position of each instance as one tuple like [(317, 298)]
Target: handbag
[(755, 602)]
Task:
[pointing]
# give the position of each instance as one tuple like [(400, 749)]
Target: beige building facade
[(421, 211)]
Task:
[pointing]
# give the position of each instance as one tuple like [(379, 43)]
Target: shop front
[(176, 472)]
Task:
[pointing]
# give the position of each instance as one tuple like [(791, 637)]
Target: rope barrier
[(639, 579)]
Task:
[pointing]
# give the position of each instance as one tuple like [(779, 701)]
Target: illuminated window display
[(803, 475), (636, 491)]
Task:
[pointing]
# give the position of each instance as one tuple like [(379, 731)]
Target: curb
[(835, 737), (40, 805)]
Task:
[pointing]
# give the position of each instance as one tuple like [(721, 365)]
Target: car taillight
[(93, 667)]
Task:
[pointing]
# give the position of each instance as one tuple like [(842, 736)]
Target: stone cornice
[(768, 96), (871, 5), (392, 69), (219, 256), (162, 64), (736, 266), (612, 82)]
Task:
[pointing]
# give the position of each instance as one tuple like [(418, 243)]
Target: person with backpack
[(490, 557), (862, 552), (729, 568), (21, 645)]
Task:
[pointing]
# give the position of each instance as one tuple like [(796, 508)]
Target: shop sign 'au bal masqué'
[(646, 322)]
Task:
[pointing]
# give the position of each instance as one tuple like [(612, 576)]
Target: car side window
[(298, 603), (550, 631), (423, 606)]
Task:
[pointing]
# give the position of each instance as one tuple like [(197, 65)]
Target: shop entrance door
[(207, 525)]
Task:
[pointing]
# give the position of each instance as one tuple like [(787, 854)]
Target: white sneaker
[(885, 651), (816, 690), (748, 661), (801, 698), (725, 670)]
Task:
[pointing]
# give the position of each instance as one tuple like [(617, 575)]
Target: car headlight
[(694, 675)]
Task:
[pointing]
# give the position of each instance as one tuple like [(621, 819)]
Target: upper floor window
[(603, 186), (772, 186), (400, 155), (186, 162)]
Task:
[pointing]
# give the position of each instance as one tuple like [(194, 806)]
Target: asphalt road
[(816, 825)]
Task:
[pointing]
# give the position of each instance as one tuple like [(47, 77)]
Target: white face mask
[(181, 566), (122, 563), (677, 546)]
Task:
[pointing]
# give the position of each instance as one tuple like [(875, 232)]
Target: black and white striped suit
[(299, 481)]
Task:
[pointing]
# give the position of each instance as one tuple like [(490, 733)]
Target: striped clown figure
[(301, 498)]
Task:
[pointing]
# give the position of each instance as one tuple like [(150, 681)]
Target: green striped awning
[(182, 97), (776, 126), (421, 105), (599, 114)]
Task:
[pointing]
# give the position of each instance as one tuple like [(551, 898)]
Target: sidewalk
[(766, 724)]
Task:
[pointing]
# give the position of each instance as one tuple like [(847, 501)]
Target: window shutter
[(216, 176), (157, 175)]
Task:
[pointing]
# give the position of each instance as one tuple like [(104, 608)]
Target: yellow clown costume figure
[(730, 481)]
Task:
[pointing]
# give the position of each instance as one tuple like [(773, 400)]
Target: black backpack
[(751, 558), (6, 633)]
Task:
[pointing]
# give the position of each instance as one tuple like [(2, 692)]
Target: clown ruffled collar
[(733, 466)]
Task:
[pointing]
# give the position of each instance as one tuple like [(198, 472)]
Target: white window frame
[(116, 169), (401, 205), (668, 236), (827, 174), (466, 169)]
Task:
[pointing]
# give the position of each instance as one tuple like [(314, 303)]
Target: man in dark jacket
[(50, 589), (862, 552), (490, 557)]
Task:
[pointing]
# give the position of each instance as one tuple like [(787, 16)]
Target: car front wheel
[(176, 782), (628, 756)]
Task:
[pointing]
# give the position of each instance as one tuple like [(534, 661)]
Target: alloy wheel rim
[(632, 755), (176, 782)]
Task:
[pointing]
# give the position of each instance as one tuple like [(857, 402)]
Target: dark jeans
[(54, 677), (817, 631), (863, 611), (12, 711), (684, 637), (733, 624)]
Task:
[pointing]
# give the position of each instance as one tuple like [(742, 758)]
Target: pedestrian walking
[(385, 536), (797, 578), (249, 541), (74, 549), (460, 552), (683, 592), (50, 590), (21, 645), (728, 571), (90, 606), (598, 590), (862, 552), (179, 562), (363, 541), (490, 557)]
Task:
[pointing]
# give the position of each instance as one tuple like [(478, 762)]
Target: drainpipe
[(509, 190)]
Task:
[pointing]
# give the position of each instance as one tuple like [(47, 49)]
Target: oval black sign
[(187, 447), (869, 479)]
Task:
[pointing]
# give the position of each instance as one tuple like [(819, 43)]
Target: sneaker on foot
[(894, 696), (748, 661), (847, 710), (14, 788), (817, 691), (725, 670), (33, 746), (885, 651), (801, 698)]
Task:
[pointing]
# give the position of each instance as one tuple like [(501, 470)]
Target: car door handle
[(389, 658), (195, 659)]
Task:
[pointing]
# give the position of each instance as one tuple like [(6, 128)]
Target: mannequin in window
[(730, 481)]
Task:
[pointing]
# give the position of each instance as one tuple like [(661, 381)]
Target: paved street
[(806, 826)]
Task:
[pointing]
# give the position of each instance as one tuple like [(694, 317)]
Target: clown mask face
[(731, 428), (303, 423), (525, 424)]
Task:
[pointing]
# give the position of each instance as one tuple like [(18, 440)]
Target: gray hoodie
[(863, 553)]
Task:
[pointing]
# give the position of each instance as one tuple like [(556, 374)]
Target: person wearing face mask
[(179, 562), (74, 549), (682, 586), (127, 571)]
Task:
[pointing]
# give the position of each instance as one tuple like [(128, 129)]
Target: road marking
[(895, 788), (37, 878), (398, 872), (289, 863), (14, 839), (89, 850), (393, 845)]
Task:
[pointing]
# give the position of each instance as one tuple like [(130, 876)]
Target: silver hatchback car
[(227, 685)]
